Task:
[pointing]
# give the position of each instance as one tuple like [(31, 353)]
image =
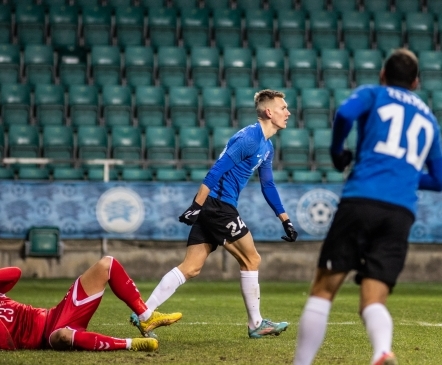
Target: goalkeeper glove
[(290, 232), (190, 216)]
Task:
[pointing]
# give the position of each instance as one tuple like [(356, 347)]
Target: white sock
[(312, 328), (251, 295), (128, 343), (379, 326), (164, 290)]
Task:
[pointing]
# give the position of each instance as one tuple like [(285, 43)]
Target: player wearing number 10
[(397, 136), (215, 220)]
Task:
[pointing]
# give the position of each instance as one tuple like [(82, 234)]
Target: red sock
[(91, 341), (124, 288)]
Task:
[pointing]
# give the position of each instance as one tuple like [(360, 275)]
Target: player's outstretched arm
[(8, 278)]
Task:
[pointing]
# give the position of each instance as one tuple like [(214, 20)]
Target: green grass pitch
[(213, 329)]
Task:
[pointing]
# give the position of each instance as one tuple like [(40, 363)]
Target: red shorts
[(74, 311)]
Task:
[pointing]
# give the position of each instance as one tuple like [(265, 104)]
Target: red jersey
[(21, 326)]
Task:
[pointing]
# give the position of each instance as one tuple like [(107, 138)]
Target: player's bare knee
[(61, 339)]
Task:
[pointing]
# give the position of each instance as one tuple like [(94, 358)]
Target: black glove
[(190, 216), (292, 235), (342, 160)]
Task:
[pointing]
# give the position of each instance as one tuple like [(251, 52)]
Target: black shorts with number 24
[(217, 222)]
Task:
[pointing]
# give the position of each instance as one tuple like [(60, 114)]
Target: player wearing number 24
[(215, 220), (397, 136)]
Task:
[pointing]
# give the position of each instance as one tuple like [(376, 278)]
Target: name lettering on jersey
[(408, 98)]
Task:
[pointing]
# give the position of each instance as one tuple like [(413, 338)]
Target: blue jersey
[(249, 150), (397, 135)]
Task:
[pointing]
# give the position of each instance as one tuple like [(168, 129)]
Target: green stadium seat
[(423, 94), (83, 105), (16, 103), (434, 6), (245, 111), (2, 141), (295, 149), (204, 66), (49, 104), (23, 141), (183, 106), (160, 145), (420, 31), (82, 3), (63, 25), (313, 5), (129, 26), (408, 6), (387, 30), (367, 64), (281, 5), (291, 28), (117, 105), (9, 63), (281, 176), (171, 175), (182, 5), (220, 137), (72, 66), (58, 144), (33, 173), (138, 66), (315, 108), (136, 174), (150, 106), (430, 70), (247, 5), (216, 107), (302, 67), (119, 3), (227, 28), (96, 173), (195, 27), (67, 173), (238, 67), (106, 65), (334, 177), (97, 25), (6, 173), (339, 95), (321, 149), (324, 29), (5, 24), (30, 24), (152, 4), (436, 97), (342, 6), (270, 68), (126, 144), (43, 241), (196, 175), (194, 147), (307, 177), (211, 5), (172, 66), (39, 64), (259, 28), (335, 68), (356, 32), (375, 6), (162, 27), (92, 142)]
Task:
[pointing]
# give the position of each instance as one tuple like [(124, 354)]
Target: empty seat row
[(156, 147), (95, 25)]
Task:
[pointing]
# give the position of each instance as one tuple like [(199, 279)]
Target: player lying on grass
[(63, 327)]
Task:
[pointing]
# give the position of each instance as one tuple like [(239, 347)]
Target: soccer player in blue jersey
[(216, 222), (397, 136)]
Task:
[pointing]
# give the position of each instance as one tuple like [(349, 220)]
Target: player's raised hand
[(342, 160), (291, 234), (190, 216)]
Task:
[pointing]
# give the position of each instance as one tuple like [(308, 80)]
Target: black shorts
[(368, 236), (217, 222)]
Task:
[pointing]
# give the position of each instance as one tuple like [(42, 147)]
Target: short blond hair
[(265, 95)]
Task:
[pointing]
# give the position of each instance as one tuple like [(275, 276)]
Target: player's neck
[(268, 129)]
